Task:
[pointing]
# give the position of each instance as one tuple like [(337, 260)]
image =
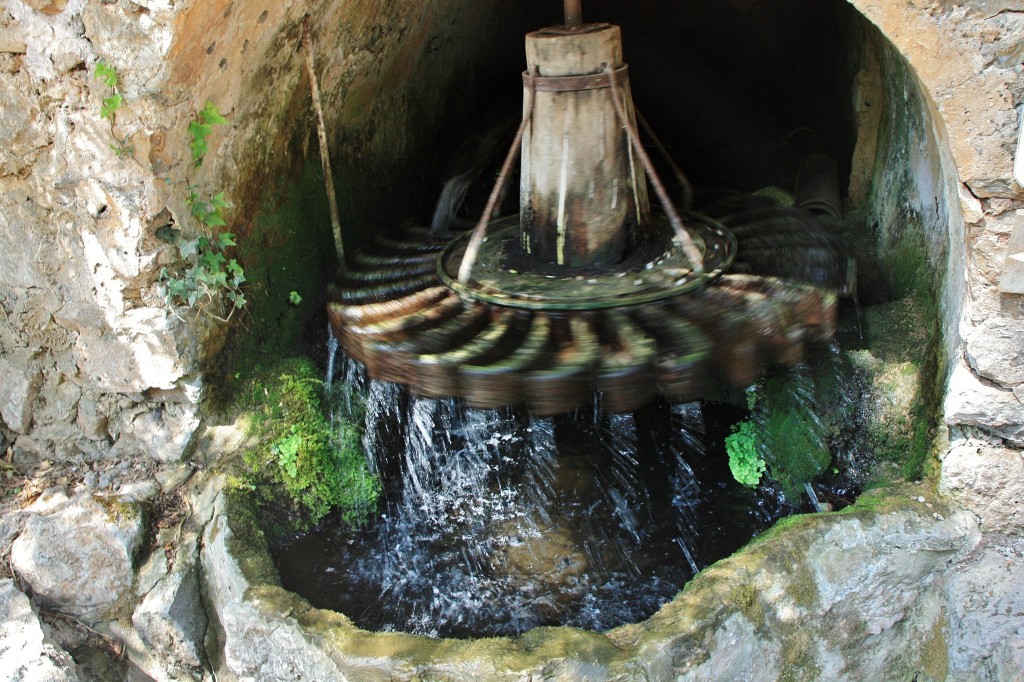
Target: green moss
[(798, 656), (793, 416), (904, 364), (248, 544), (745, 598), (935, 651), (298, 455), (288, 247), (745, 461)]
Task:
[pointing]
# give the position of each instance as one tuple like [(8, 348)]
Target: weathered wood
[(573, 13), (321, 131), (581, 190)]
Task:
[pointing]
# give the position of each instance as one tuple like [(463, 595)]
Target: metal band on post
[(594, 81)]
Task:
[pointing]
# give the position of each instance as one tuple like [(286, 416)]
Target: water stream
[(495, 522)]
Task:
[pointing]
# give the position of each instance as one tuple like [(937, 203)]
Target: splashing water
[(495, 522)]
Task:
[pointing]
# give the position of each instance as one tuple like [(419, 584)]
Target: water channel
[(494, 522)]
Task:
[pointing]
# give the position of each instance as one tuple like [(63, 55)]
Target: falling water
[(495, 522), (332, 355)]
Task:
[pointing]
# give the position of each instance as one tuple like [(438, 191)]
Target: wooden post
[(321, 131), (573, 13), (582, 190)]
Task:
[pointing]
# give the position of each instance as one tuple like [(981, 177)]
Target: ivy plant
[(107, 74), (200, 128), (207, 273), (287, 450)]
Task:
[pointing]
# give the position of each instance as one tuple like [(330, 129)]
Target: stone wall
[(92, 364), (968, 58)]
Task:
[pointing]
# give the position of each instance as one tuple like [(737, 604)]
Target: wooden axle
[(581, 190)]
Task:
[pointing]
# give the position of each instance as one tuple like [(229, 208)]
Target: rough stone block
[(989, 480), (77, 554), (996, 351), (972, 402), (985, 602), (162, 434), (1012, 280), (26, 653), (20, 386), (170, 619)]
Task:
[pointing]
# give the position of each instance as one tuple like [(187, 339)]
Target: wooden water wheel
[(588, 291)]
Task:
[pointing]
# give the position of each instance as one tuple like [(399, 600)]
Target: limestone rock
[(985, 602), (53, 37), (996, 350), (989, 481), (246, 630), (76, 554), (142, 353), (162, 434), (970, 401), (170, 620), (20, 388), (26, 653), (739, 654)]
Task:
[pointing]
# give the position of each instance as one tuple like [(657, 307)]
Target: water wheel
[(588, 291)]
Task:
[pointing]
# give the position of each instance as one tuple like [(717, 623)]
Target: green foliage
[(793, 416), (206, 272), (294, 298), (287, 450), (795, 444), (110, 105), (200, 128), (106, 73), (300, 456), (745, 462)]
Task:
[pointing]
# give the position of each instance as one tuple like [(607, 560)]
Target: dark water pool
[(495, 522)]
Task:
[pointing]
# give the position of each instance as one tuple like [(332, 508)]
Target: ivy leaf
[(214, 219), (189, 248), (199, 132), (226, 239), (213, 261), (106, 73), (237, 274), (110, 106), (211, 115)]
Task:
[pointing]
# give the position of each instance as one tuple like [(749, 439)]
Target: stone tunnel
[(918, 102)]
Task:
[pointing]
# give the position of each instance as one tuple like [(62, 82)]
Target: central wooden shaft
[(582, 190)]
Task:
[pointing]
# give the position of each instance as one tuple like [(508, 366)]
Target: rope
[(473, 248), (690, 249)]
